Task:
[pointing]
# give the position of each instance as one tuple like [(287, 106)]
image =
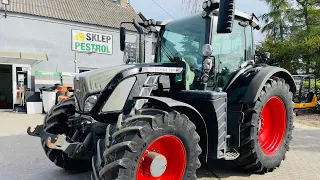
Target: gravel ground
[(312, 120), (22, 157)]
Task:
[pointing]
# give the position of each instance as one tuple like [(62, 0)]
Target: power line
[(162, 9)]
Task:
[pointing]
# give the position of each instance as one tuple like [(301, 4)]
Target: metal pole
[(140, 49), (5, 11), (75, 62)]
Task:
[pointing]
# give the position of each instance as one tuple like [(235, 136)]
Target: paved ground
[(22, 157)]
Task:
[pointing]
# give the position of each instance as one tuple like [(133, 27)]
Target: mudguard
[(190, 111), (262, 77), (244, 88)]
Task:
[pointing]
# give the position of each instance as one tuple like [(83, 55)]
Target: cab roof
[(238, 14)]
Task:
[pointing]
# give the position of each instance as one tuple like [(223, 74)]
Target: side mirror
[(263, 58), (226, 16), (122, 38), (267, 55)]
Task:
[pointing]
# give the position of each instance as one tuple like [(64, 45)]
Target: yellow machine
[(306, 94)]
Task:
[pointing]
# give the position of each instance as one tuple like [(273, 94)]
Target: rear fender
[(189, 111), (260, 80), (245, 88)]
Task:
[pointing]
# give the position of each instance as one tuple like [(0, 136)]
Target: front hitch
[(75, 150), (39, 132)]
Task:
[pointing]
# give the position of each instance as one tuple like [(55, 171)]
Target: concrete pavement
[(22, 157)]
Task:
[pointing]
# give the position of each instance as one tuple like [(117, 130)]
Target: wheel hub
[(165, 158), (154, 164), (272, 125)]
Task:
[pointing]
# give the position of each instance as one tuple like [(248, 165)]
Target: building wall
[(25, 33)]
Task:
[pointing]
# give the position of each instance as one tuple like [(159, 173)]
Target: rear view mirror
[(226, 16), (267, 55), (263, 58), (122, 38)]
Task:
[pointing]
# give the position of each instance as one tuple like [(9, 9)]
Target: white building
[(40, 39)]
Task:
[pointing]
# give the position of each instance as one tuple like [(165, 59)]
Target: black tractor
[(206, 96)]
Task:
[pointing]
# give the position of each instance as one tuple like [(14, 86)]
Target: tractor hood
[(93, 82), (96, 80)]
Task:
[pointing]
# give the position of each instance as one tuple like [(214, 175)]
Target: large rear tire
[(267, 128), (55, 122), (153, 144)]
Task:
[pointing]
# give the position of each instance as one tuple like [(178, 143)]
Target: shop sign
[(45, 73), (85, 41)]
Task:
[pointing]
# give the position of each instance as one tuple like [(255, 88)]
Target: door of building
[(6, 96), (21, 82)]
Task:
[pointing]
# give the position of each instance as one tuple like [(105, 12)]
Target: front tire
[(153, 144), (267, 128), (55, 122)]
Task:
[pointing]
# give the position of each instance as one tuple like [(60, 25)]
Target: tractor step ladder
[(232, 154)]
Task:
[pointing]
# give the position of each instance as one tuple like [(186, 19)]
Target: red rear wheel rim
[(172, 149), (273, 125)]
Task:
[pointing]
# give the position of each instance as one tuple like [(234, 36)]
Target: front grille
[(81, 91)]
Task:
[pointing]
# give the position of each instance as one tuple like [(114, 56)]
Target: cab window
[(229, 52), (249, 43)]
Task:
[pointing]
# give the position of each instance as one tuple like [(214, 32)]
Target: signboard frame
[(79, 51)]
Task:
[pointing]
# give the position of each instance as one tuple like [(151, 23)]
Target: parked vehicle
[(207, 98)]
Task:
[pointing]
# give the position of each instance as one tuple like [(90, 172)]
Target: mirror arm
[(137, 26)]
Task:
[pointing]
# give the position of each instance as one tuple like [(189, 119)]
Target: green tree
[(298, 50), (275, 20)]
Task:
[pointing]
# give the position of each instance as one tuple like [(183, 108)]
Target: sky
[(174, 7)]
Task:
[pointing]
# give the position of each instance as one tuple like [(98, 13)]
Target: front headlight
[(90, 102)]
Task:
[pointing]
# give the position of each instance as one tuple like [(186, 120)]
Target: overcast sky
[(174, 7)]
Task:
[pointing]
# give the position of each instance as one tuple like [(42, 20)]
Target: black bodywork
[(217, 115)]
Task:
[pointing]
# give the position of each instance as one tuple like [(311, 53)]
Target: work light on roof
[(150, 22), (204, 5), (210, 4)]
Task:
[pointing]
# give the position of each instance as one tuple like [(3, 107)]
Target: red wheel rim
[(273, 125), (168, 148)]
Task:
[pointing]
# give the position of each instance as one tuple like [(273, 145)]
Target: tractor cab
[(306, 94), (210, 55)]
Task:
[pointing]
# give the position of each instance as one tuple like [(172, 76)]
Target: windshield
[(297, 81), (184, 38)]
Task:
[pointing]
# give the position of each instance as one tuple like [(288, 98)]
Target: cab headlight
[(90, 102)]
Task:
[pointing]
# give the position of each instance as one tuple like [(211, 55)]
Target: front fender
[(262, 77), (189, 111)]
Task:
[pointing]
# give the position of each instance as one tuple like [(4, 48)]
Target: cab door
[(231, 50)]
